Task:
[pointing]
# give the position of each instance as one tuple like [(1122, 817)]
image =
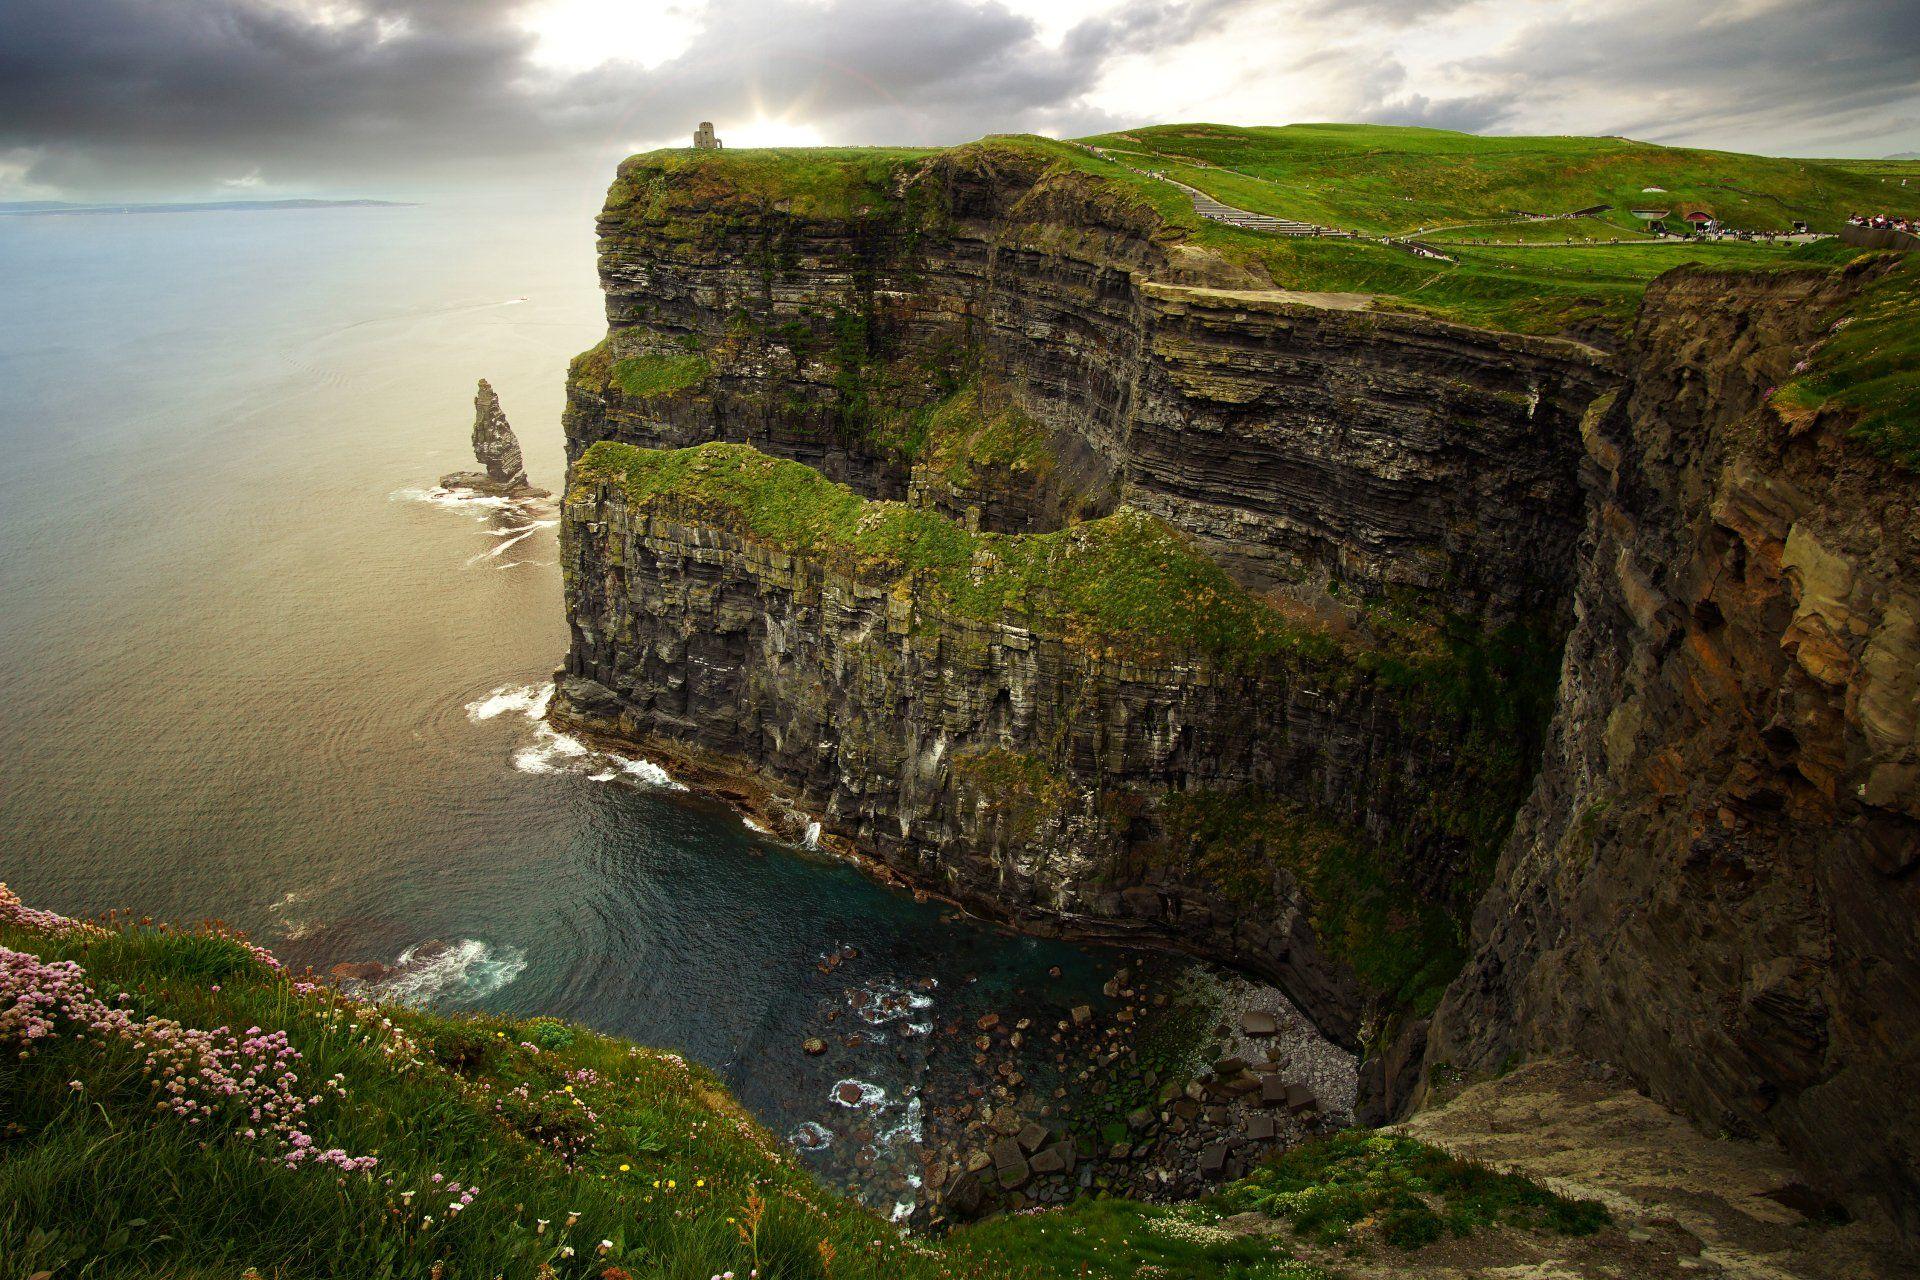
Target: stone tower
[(704, 139)]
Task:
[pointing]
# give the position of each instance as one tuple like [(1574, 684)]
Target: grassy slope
[(603, 1140), (1870, 366), (818, 182), (1396, 180)]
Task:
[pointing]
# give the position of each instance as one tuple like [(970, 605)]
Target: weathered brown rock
[(1711, 886)]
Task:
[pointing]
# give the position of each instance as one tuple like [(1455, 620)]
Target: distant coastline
[(36, 208)]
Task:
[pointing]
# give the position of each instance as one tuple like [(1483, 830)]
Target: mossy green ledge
[(1094, 731)]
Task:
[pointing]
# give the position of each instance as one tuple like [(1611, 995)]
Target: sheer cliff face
[(1304, 444), (1711, 883), (1368, 468), (1714, 881)]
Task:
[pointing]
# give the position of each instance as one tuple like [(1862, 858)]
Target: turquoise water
[(248, 669)]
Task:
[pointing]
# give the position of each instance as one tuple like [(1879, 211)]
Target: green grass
[(1870, 365), (1357, 176), (1127, 584), (1384, 179), (604, 1140), (1410, 1192), (566, 1139), (1123, 1238), (811, 182), (643, 377), (981, 428)]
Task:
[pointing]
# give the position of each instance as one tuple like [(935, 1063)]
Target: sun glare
[(763, 132), (575, 35)]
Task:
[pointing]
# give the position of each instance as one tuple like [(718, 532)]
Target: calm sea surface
[(249, 669)]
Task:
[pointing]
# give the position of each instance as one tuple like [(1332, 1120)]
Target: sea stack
[(497, 449)]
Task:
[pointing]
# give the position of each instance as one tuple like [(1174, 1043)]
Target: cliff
[(1307, 441), (1095, 729), (1057, 562), (1713, 882)]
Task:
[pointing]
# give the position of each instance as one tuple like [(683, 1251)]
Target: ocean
[(253, 667)]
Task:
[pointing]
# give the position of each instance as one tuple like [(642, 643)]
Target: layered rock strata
[(1714, 884), (495, 448), (1193, 770), (1304, 442)]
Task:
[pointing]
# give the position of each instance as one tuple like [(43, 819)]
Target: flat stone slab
[(1007, 1154), (1049, 1161), (1257, 1022), (1274, 1091), (1213, 1159), (1032, 1136), (1300, 1098), (1259, 1127)]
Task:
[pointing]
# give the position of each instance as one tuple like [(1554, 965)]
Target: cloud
[(1724, 70), (119, 94), (378, 96)]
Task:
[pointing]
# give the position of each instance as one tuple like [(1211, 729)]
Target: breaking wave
[(886, 1002), (553, 752), (550, 752), (531, 700), (458, 499), (450, 972)]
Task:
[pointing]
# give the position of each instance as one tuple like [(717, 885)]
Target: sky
[(174, 99)]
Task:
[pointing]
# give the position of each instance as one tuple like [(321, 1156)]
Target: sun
[(764, 131)]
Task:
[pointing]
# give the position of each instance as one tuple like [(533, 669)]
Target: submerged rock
[(496, 448)]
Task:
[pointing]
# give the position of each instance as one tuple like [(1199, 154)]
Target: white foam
[(454, 973), (531, 699), (889, 1002), (812, 839), (755, 827), (554, 752), (811, 1136), (647, 772), (456, 499), (908, 1130), (550, 752)]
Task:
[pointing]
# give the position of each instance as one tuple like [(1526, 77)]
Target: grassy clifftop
[(1386, 179), (1460, 189)]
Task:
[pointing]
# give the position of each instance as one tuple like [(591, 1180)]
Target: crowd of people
[(1881, 222)]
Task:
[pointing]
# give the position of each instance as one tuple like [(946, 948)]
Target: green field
[(1391, 180)]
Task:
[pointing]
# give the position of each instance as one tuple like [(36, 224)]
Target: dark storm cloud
[(121, 90), (1789, 70), (117, 94)]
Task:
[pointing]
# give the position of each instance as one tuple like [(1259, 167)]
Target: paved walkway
[(1215, 211)]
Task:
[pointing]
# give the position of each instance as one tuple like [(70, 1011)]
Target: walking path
[(1216, 211)]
